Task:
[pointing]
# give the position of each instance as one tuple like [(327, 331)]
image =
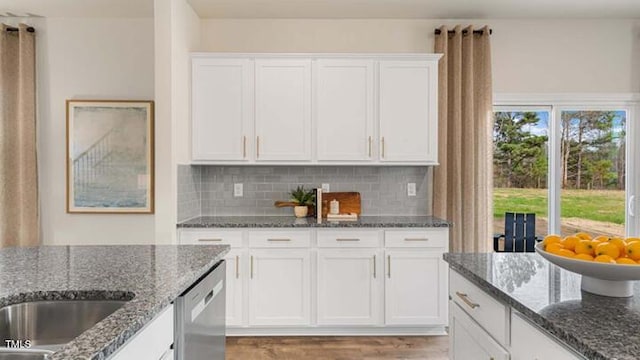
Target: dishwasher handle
[(206, 301)]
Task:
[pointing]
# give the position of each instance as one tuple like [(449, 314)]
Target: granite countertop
[(290, 221), (597, 327), (151, 277)]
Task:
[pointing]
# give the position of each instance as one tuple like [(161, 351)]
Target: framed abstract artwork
[(110, 159)]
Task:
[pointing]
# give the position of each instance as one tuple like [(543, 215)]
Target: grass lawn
[(599, 205)]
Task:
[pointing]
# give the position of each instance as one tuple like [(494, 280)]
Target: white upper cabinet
[(283, 109), (315, 109), (344, 91), (221, 108), (408, 111)]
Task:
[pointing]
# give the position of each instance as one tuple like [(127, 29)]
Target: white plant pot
[(300, 211)]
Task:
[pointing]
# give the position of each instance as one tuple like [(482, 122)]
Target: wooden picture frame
[(110, 156)]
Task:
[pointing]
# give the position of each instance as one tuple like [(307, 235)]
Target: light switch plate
[(238, 190), (326, 188), (411, 189)]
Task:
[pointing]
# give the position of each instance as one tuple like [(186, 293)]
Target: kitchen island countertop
[(598, 327), (292, 222), (149, 276)]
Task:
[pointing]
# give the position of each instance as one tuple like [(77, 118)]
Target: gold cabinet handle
[(382, 144), (374, 266), (416, 239), (209, 240), (465, 298), (369, 146), (237, 266), (354, 239), (278, 239), (244, 147), (252, 266), (257, 146), (389, 266)]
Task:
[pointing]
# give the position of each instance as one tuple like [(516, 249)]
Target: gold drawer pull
[(209, 240), (244, 147), (465, 298), (389, 265), (278, 239), (382, 147), (374, 266), (416, 239), (252, 266), (369, 146), (348, 239)]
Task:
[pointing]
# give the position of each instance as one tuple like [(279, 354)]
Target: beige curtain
[(463, 180), (18, 171)]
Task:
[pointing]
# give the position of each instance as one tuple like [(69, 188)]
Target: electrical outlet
[(238, 190), (411, 189), (326, 188)]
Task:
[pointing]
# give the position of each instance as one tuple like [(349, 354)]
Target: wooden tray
[(349, 202)]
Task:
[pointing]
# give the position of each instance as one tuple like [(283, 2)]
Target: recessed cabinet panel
[(283, 110), (344, 109), (468, 341), (408, 111), (221, 109)]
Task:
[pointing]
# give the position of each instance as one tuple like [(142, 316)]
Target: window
[(568, 164)]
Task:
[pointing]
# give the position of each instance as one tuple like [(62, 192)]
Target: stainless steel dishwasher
[(200, 318)]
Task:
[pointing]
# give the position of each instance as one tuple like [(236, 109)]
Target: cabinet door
[(415, 287), (279, 288), (283, 110), (529, 342), (234, 259), (408, 111), (348, 290), (221, 109), (468, 341), (344, 109)]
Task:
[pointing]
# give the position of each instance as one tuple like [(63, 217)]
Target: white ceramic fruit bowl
[(615, 280)]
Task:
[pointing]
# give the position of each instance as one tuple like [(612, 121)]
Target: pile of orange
[(582, 246)]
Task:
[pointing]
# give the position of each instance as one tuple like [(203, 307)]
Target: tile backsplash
[(383, 189)]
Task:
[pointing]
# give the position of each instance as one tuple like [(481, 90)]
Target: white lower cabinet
[(234, 260), (348, 286), (530, 343), (415, 287), (153, 342), (279, 287), (468, 341)]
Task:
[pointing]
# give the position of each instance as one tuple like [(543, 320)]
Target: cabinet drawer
[(468, 341), (211, 237), (280, 239), (492, 315), (528, 342), (346, 238), (416, 238)]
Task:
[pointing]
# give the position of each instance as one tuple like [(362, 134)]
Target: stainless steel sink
[(7, 354), (46, 323)]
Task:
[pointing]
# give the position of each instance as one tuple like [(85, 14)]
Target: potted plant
[(303, 198)]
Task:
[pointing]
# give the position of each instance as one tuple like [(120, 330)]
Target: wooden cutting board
[(349, 202)]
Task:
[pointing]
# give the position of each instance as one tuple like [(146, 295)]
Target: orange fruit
[(585, 257), (585, 247), (582, 235), (554, 248), (601, 238), (570, 242), (604, 259), (565, 253), (619, 243), (629, 240), (625, 261), (607, 248), (550, 239), (633, 250)]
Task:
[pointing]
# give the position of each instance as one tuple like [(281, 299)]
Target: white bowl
[(613, 280)]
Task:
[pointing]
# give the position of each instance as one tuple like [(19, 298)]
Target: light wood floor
[(337, 348)]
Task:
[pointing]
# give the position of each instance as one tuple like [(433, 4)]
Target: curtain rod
[(464, 32), (29, 29)]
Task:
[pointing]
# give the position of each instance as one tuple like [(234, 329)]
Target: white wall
[(528, 55), (82, 58), (177, 33)]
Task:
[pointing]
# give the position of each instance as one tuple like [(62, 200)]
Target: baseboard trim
[(337, 331)]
